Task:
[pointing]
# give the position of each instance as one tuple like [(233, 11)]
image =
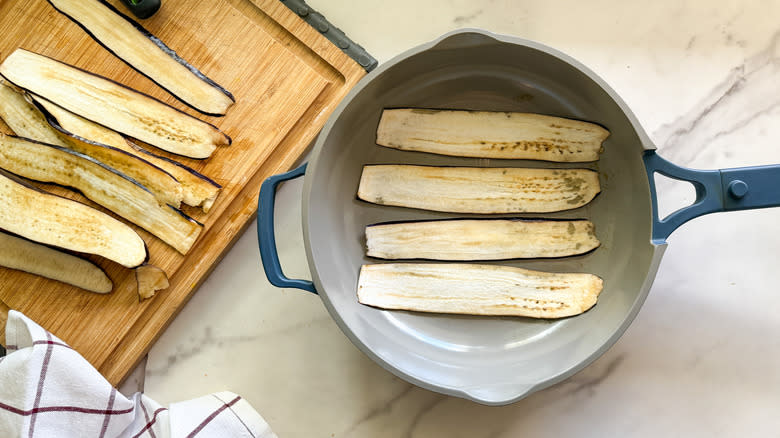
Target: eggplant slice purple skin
[(55, 122), (125, 214), (592, 242), (177, 164), (26, 185), (368, 185), (100, 282), (228, 140), (163, 183), (477, 289), (491, 134), (162, 46)]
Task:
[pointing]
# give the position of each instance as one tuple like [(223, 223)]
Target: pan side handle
[(709, 196), (265, 232), (743, 188)]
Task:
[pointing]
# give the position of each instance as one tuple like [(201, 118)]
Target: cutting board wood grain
[(286, 77)]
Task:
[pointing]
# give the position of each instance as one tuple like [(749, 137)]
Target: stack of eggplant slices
[(481, 289), (74, 128)]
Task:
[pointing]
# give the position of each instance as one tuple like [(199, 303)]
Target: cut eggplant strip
[(480, 239), (112, 105), (150, 279), (101, 184), (477, 189), (52, 220), (23, 117), (32, 121), (477, 290), (484, 134), (24, 255), (141, 50), (197, 190)]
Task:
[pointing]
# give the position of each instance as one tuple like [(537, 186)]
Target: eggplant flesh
[(150, 279), (101, 184), (478, 190), (136, 46), (480, 239), (32, 121), (112, 105), (485, 134), (474, 289), (197, 190), (52, 220), (24, 255)]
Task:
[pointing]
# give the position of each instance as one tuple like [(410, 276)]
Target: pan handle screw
[(738, 189)]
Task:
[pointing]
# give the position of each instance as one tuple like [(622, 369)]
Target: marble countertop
[(701, 359)]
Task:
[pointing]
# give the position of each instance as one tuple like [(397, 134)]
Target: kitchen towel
[(48, 390)]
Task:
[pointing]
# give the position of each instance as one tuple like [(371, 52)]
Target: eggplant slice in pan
[(52, 220), (197, 189), (34, 258), (112, 105), (484, 134), (33, 122), (480, 239), (477, 289), (141, 50), (101, 184), (478, 189)]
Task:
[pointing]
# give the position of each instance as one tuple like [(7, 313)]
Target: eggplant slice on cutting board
[(32, 121), (474, 289), (480, 239), (101, 184), (144, 52), (486, 134), (53, 220), (478, 189), (197, 189), (112, 105), (34, 258), (150, 279)]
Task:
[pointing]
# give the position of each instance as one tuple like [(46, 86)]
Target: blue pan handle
[(742, 188), (265, 232)]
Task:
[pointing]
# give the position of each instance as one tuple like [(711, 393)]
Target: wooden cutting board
[(286, 77)]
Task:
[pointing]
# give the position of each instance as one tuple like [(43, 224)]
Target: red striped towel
[(48, 390)]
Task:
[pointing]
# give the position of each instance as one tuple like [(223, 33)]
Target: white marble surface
[(702, 357)]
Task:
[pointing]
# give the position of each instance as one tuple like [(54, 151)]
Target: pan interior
[(486, 358)]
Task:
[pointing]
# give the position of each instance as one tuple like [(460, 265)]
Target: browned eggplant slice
[(34, 258), (150, 279), (100, 183), (112, 105), (31, 121), (480, 239), (52, 220), (477, 289), (197, 189), (141, 50), (486, 134), (478, 189)]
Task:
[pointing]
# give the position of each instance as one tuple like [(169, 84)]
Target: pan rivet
[(738, 189)]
